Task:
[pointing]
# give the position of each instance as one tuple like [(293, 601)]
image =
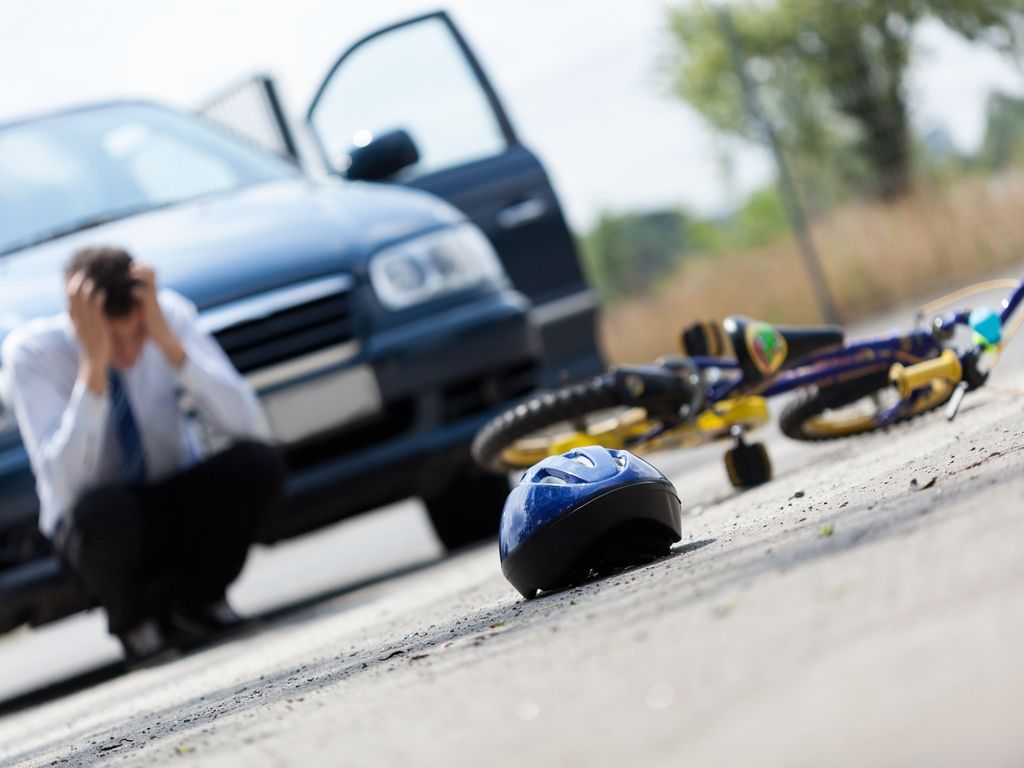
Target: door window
[(414, 77)]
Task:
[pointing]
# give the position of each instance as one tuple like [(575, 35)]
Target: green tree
[(831, 74)]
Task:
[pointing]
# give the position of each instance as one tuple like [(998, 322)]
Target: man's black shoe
[(196, 626), (145, 645)]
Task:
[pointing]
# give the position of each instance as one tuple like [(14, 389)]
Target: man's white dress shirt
[(68, 430)]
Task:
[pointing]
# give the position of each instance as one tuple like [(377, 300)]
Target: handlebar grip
[(908, 378)]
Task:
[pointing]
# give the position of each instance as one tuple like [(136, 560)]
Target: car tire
[(467, 511)]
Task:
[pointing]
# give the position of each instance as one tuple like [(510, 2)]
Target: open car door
[(410, 105)]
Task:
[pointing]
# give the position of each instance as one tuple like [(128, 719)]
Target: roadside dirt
[(863, 608)]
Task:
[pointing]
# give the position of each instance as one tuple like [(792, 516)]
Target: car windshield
[(67, 172)]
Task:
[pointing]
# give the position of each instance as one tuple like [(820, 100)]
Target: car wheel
[(468, 509)]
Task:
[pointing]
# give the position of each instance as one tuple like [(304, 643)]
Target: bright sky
[(579, 77)]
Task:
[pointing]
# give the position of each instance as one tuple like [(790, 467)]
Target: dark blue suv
[(383, 311)]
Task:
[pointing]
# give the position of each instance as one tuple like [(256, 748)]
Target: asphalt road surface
[(866, 607)]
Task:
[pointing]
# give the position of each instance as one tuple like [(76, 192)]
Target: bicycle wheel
[(594, 413), (852, 408)]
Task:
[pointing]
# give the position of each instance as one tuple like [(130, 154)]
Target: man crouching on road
[(154, 530)]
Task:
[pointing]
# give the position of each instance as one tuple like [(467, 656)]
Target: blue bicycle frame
[(851, 361), (826, 368)]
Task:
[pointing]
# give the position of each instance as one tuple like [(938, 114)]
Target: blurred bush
[(1004, 132), (629, 254)]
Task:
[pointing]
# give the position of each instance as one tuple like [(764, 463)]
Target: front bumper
[(440, 379)]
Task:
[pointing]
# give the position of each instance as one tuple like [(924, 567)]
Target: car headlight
[(433, 265)]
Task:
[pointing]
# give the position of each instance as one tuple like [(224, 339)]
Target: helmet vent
[(553, 476), (582, 458)]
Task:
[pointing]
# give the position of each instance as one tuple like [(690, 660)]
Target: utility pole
[(787, 189)]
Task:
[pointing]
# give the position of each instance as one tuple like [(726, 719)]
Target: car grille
[(479, 393), (288, 332)]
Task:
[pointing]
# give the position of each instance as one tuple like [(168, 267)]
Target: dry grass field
[(874, 255)]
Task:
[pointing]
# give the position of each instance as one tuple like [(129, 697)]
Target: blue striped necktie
[(133, 457)]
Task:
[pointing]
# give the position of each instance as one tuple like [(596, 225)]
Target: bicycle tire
[(796, 419), (539, 412)]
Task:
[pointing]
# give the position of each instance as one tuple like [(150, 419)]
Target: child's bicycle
[(719, 387)]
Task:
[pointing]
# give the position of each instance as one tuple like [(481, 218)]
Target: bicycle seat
[(763, 349)]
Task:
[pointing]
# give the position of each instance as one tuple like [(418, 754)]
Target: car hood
[(224, 247)]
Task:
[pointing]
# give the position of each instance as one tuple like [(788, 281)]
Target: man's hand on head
[(153, 317), (86, 307)]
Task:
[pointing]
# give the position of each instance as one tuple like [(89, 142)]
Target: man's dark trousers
[(175, 545)]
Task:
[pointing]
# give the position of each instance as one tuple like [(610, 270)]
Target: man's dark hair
[(110, 269)]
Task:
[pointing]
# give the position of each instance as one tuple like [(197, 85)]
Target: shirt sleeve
[(219, 391), (63, 436)]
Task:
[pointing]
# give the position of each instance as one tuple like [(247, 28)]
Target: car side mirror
[(383, 157)]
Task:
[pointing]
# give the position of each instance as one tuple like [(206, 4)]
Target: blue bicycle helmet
[(588, 512)]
